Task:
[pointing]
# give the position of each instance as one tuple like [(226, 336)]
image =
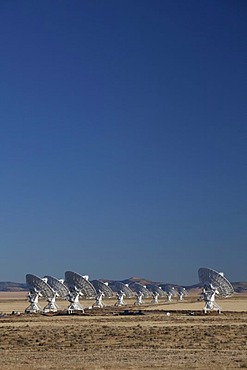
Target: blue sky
[(123, 138)]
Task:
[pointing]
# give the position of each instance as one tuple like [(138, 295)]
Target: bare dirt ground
[(112, 339)]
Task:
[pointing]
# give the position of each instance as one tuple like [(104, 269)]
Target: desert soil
[(171, 336)]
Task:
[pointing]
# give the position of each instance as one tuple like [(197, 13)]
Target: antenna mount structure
[(156, 292), (102, 290), (169, 291), (181, 291), (59, 290), (79, 286), (120, 298), (139, 288), (139, 295), (119, 286), (213, 284)]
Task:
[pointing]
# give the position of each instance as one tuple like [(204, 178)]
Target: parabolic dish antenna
[(209, 277), (118, 286), (155, 289), (39, 285), (100, 286), (181, 289), (214, 283), (74, 280), (57, 286), (169, 290), (39, 288), (137, 287), (181, 292)]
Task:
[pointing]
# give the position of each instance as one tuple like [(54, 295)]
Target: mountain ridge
[(239, 286)]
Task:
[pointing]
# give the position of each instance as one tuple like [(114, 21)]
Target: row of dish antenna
[(76, 286)]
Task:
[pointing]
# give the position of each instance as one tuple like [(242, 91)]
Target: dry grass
[(107, 340)]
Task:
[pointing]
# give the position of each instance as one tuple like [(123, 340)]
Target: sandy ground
[(111, 339)]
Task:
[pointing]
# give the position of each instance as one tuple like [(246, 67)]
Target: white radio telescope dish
[(57, 286), (181, 291), (169, 290), (156, 289), (73, 279), (103, 290), (118, 286), (78, 286), (213, 283), (137, 287), (103, 287)]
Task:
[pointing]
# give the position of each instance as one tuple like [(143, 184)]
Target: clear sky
[(123, 138)]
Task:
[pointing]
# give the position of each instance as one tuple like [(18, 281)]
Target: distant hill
[(239, 287), (8, 286)]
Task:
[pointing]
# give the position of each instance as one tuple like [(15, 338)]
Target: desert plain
[(175, 335)]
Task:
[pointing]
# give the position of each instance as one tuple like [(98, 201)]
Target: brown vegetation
[(108, 339)]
